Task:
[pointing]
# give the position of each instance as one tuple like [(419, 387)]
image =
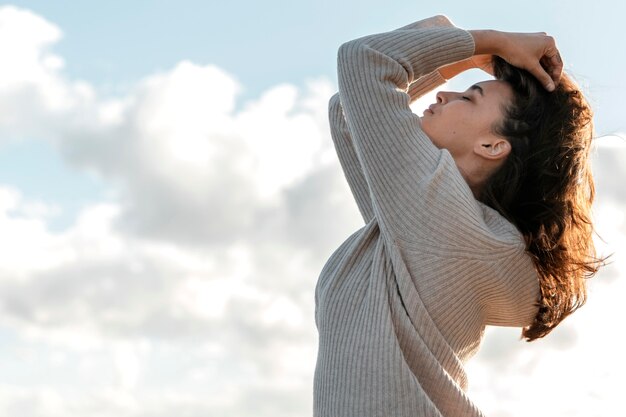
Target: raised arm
[(399, 161), (341, 135), (348, 158), (421, 201)]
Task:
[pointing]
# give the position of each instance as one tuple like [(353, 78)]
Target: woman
[(475, 214)]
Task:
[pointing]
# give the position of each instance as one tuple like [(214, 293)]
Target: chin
[(434, 141)]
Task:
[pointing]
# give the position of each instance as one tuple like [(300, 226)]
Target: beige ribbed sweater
[(402, 304)]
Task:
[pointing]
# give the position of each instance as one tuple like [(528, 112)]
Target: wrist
[(488, 42), (452, 70)]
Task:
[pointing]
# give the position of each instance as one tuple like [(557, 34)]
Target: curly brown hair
[(545, 188)]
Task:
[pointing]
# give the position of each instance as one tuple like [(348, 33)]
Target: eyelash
[(466, 98)]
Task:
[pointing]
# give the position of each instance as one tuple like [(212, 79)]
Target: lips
[(430, 109)]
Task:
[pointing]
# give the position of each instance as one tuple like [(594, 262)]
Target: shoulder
[(502, 228), (447, 221)]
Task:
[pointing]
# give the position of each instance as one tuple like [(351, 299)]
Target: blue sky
[(169, 193), (114, 44)]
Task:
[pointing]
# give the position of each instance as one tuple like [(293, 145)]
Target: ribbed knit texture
[(404, 301)]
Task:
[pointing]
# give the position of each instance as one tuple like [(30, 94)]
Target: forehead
[(496, 89)]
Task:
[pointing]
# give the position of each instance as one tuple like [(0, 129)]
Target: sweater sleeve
[(398, 160), (341, 135), (421, 202)]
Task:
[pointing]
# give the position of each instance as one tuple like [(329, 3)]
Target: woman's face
[(459, 121)]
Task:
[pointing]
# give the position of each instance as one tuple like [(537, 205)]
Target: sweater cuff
[(421, 51)]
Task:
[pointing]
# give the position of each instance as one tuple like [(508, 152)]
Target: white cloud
[(24, 242), (33, 92), (23, 38), (206, 242), (190, 292)]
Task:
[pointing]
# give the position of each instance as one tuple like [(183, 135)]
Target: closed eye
[(466, 98)]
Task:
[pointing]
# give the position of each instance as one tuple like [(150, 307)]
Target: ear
[(493, 149)]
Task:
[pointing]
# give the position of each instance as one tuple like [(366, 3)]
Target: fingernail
[(551, 87)]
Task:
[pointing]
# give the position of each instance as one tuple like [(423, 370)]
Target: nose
[(444, 96)]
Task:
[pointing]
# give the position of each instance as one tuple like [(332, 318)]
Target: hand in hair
[(536, 53)]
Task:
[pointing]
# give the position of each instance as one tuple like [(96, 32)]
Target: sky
[(169, 193)]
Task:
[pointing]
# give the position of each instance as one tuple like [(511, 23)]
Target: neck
[(476, 173), (475, 186)]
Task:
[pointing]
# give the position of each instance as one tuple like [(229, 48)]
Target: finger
[(556, 67), (552, 59), (553, 66), (543, 77)]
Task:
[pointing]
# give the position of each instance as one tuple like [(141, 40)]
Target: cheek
[(469, 123), (441, 127)]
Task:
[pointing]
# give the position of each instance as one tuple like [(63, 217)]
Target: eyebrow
[(479, 88)]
